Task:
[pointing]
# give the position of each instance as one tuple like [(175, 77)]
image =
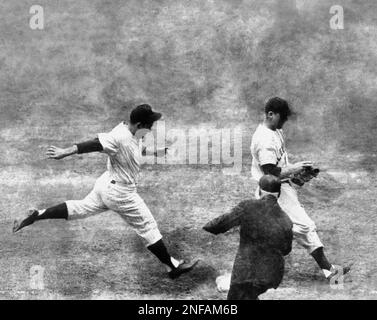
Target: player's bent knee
[(73, 207), (309, 240), (78, 209), (301, 229), (151, 237)]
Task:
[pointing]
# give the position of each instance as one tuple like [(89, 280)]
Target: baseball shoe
[(335, 275), (182, 268), (32, 215)]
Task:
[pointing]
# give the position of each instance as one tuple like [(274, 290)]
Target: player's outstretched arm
[(159, 152), (60, 153), (83, 147)]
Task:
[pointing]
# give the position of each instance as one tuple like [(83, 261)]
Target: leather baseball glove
[(305, 176)]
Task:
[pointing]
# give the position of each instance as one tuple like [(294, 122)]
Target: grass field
[(201, 63), (100, 257)]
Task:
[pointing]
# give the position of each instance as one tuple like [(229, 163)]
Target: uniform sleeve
[(271, 169), (266, 153), (110, 142), (89, 146)]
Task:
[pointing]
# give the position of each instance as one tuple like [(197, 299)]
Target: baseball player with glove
[(116, 189), (269, 156)]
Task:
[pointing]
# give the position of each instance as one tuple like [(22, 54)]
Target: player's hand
[(56, 153), (170, 142), (300, 166)]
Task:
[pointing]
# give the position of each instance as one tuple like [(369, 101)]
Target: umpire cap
[(270, 183)]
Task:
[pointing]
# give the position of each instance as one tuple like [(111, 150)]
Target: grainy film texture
[(73, 69)]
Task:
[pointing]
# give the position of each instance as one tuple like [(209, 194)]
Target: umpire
[(265, 238)]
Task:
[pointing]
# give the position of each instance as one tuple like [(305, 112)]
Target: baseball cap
[(144, 114), (278, 105), (270, 183)]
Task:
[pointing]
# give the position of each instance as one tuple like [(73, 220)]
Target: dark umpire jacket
[(265, 237)]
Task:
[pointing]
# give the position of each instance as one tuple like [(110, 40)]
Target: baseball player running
[(116, 189), (269, 156)]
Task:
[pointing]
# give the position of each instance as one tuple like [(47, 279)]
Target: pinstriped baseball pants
[(304, 228), (122, 199)]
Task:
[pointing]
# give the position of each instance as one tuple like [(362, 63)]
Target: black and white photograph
[(191, 150)]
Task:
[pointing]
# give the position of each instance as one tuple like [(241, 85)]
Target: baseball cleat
[(31, 217), (335, 275), (182, 268)]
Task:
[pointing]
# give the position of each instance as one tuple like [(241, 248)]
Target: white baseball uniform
[(268, 147), (116, 189)]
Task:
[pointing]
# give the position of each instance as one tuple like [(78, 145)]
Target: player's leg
[(71, 209), (148, 230), (303, 226), (304, 229), (174, 267), (59, 211), (129, 205), (321, 259)]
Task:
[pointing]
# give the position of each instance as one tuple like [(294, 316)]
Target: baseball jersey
[(267, 147), (124, 153)]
